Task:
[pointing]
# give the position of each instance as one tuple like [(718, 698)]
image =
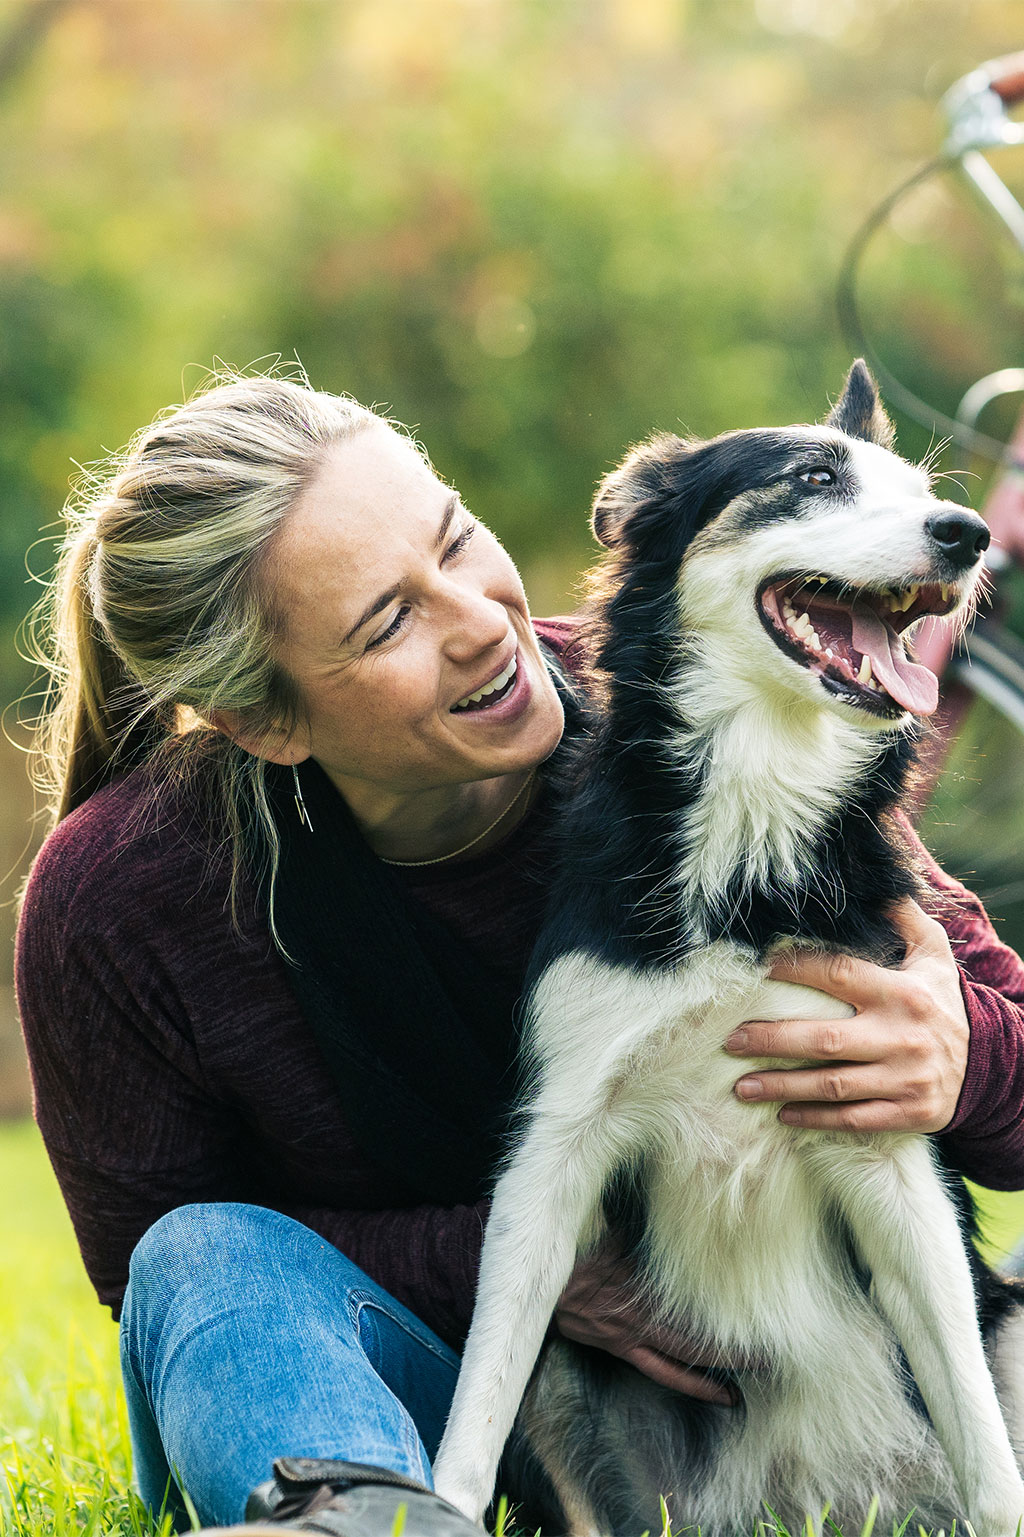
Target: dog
[(756, 730)]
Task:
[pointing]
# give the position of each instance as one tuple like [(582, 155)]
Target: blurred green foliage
[(536, 229)]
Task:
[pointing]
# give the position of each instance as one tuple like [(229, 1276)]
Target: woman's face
[(397, 605)]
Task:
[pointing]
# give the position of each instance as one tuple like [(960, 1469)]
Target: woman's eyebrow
[(451, 508)]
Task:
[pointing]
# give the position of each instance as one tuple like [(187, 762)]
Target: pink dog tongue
[(915, 687)]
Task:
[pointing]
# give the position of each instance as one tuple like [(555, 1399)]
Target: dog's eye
[(818, 476)]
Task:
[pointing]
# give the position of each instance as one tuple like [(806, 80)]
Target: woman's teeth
[(495, 686)]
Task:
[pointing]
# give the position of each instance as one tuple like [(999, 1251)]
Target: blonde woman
[(270, 954)]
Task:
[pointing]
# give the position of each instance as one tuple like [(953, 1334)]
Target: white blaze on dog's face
[(827, 549), (836, 560)]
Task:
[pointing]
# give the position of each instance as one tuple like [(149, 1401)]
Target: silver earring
[(300, 804)]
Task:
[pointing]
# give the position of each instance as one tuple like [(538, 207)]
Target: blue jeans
[(244, 1337)]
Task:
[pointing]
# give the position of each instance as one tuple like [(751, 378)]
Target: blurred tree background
[(535, 229)]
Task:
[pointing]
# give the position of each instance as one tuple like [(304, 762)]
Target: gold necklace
[(414, 863)]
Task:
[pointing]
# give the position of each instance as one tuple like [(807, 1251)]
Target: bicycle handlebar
[(977, 104), (1009, 83)]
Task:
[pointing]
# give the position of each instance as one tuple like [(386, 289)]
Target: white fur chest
[(652, 1043), (736, 1224)]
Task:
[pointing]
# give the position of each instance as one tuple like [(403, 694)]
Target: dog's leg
[(905, 1228), (541, 1206), (1006, 1352), (589, 1018)]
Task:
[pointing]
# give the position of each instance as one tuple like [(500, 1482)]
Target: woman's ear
[(640, 476), (276, 745)]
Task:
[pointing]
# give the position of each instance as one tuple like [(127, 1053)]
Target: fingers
[(680, 1378), (824, 1040), (697, 1354), (859, 1115), (861, 983), (830, 1086), (856, 982), (917, 929), (903, 1094)]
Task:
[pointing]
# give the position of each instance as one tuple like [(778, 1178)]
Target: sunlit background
[(535, 230)]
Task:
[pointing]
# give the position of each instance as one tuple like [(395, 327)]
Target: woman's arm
[(171, 1066)]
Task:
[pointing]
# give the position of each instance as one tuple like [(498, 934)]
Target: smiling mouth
[(500, 685), (853, 637)]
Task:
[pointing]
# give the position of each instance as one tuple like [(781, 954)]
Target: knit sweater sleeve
[(985, 1139), (130, 1127)]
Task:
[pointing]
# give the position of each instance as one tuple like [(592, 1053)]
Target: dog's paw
[(459, 1482), (997, 1523), (464, 1500)]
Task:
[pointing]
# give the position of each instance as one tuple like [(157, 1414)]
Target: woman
[(270, 955)]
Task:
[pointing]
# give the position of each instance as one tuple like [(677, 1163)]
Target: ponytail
[(90, 730)]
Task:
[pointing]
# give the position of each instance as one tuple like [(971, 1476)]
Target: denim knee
[(212, 1246), (193, 1248), (196, 1230)]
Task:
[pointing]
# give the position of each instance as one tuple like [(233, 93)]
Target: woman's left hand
[(898, 1064)]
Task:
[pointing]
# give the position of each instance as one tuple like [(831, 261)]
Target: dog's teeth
[(864, 674), (911, 596), (812, 636), (828, 652), (944, 589)]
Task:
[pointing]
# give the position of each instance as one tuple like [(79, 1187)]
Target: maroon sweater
[(171, 1063)]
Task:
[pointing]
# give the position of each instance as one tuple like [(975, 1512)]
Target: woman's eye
[(454, 549), (818, 476), (392, 629), (460, 541)]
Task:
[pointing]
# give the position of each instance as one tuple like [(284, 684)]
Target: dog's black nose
[(960, 535)]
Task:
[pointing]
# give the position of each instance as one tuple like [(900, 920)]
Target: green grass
[(64, 1449)]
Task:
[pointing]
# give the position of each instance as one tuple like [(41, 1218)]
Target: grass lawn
[(64, 1449)]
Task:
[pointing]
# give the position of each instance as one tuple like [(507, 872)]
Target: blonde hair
[(157, 618)]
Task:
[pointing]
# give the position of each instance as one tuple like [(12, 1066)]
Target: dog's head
[(803, 554)]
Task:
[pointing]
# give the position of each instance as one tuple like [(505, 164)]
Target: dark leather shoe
[(344, 1499)]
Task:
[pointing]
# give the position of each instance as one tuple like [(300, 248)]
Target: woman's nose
[(475, 623)]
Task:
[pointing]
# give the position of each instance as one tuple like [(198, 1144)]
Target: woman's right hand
[(604, 1305)]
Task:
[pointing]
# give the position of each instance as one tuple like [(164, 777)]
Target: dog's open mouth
[(852, 637)]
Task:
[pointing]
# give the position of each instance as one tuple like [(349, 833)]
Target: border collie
[(756, 731)]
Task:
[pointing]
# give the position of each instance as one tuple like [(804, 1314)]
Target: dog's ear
[(640, 476), (859, 412)]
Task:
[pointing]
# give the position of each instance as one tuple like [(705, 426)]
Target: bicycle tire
[(973, 820)]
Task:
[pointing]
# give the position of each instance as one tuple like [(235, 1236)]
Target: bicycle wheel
[(973, 821)]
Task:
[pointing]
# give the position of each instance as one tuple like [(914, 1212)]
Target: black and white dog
[(756, 732)]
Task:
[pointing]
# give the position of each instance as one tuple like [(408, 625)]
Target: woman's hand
[(602, 1305), (898, 1064)]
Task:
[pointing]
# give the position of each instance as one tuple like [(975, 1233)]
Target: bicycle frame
[(977, 109)]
